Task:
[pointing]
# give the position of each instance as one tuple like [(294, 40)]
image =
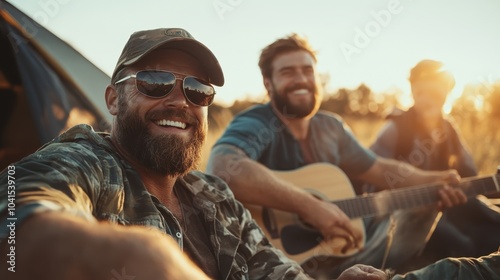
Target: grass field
[(481, 136), (483, 139)]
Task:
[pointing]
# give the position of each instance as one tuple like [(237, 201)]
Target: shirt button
[(244, 269), (178, 235)]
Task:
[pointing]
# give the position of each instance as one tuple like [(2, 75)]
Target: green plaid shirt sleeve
[(240, 243)]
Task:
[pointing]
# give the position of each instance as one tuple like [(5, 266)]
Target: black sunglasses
[(158, 84)]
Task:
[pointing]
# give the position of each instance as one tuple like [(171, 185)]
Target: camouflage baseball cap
[(143, 42)]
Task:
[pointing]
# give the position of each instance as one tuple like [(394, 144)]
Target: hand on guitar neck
[(450, 197), (299, 241)]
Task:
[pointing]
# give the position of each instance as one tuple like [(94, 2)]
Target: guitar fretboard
[(412, 197)]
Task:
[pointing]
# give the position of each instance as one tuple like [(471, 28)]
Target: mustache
[(309, 87), (173, 113)]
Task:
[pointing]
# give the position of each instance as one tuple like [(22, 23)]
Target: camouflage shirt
[(80, 172)]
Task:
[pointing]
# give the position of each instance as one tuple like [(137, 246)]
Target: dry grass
[(483, 139), (365, 129), (480, 135)]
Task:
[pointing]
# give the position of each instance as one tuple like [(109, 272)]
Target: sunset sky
[(375, 42)]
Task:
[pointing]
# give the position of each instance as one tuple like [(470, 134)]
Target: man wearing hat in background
[(71, 195), (425, 138)]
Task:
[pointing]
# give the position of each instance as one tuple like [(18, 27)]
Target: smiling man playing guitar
[(290, 132)]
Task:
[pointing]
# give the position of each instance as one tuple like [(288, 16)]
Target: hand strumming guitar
[(332, 222)]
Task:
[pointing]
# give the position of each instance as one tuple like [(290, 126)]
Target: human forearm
[(253, 183), (389, 174), (54, 245)]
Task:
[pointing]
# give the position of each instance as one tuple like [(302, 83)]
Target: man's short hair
[(290, 43), (431, 70)]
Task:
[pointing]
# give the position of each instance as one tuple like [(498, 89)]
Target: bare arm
[(253, 183), (54, 245), (389, 173)]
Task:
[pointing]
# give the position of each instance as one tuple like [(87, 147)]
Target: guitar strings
[(362, 206)]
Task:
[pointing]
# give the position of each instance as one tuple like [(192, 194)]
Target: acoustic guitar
[(299, 241)]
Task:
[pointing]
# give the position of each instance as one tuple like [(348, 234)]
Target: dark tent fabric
[(46, 86)]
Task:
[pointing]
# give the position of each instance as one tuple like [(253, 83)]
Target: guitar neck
[(412, 197), (329, 183)]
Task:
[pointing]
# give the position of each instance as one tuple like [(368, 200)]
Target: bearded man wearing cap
[(425, 138), (94, 205)]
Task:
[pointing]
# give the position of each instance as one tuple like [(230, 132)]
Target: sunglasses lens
[(198, 92), (155, 83)]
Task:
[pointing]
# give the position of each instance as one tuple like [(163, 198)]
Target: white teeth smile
[(171, 123), (300, 91)]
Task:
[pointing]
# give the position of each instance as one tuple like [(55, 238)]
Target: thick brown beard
[(289, 110), (165, 154)]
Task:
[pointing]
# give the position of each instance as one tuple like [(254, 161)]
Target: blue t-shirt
[(264, 138)]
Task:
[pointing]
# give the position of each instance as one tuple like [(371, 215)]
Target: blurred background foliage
[(476, 113)]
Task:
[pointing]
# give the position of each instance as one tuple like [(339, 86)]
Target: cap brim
[(199, 51)]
